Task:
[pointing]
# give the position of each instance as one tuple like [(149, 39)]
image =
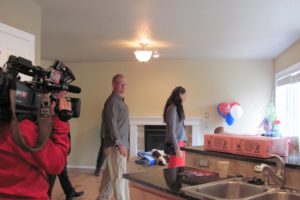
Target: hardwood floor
[(82, 180), (85, 180)]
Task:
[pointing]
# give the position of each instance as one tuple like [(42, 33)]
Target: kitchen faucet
[(278, 176)]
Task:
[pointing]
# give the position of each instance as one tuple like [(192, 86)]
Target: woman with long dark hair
[(175, 131)]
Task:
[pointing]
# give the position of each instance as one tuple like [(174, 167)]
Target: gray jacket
[(175, 129)]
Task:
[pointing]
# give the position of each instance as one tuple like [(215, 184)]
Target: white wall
[(207, 82)]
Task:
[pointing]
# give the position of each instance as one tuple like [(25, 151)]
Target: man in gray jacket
[(115, 135)]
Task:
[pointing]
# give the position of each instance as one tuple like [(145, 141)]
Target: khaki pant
[(112, 178)]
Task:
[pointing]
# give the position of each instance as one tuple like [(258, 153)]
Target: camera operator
[(33, 131), (63, 177), (23, 174)]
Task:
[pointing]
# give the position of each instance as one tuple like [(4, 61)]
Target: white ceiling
[(110, 30)]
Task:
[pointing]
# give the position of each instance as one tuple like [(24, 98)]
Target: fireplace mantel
[(154, 120)]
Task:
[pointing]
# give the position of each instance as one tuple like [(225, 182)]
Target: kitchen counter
[(171, 180), (292, 162)]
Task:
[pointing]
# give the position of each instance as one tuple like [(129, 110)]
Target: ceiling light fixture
[(155, 54), (143, 54)]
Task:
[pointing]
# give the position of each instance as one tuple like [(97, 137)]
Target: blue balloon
[(229, 119)]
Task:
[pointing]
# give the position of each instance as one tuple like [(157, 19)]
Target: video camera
[(29, 93)]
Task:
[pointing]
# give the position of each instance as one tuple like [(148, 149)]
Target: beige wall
[(46, 63), (149, 85), (288, 58), (207, 82), (26, 16)]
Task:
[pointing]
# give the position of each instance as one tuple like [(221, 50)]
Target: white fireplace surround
[(153, 120)]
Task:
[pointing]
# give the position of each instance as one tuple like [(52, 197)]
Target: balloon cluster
[(230, 111)]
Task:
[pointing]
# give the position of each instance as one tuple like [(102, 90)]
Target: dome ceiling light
[(143, 54)]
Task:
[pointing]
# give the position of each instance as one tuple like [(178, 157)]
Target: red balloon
[(224, 108), (234, 103)]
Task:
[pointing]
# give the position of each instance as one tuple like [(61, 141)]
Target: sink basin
[(277, 196), (228, 189)]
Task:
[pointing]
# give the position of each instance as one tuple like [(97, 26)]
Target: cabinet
[(140, 192)]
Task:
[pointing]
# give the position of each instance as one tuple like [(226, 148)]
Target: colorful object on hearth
[(230, 111), (270, 123)]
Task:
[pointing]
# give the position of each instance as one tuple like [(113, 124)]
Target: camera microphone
[(73, 89), (69, 88)]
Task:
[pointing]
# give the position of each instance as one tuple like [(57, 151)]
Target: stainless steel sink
[(228, 189), (279, 195)]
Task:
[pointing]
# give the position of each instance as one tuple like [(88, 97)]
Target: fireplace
[(154, 137), (138, 123)]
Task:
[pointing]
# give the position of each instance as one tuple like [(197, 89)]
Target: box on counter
[(257, 146), (217, 142)]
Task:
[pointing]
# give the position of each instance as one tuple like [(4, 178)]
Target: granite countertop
[(172, 180), (291, 161)]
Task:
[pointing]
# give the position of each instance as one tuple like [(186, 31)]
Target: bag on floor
[(146, 158)]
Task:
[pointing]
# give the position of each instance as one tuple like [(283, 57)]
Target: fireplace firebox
[(154, 137)]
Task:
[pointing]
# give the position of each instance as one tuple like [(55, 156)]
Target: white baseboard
[(81, 166)]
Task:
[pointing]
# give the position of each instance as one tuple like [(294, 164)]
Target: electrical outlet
[(205, 126), (203, 162)]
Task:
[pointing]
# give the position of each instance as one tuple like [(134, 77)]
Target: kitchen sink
[(227, 189), (279, 195)]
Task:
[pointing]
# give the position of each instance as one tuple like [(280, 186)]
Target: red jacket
[(23, 175)]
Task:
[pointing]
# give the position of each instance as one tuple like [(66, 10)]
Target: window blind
[(290, 79), (287, 100)]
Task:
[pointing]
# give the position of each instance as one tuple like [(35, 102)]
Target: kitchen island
[(166, 184)]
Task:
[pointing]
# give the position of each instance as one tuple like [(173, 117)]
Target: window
[(287, 100)]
